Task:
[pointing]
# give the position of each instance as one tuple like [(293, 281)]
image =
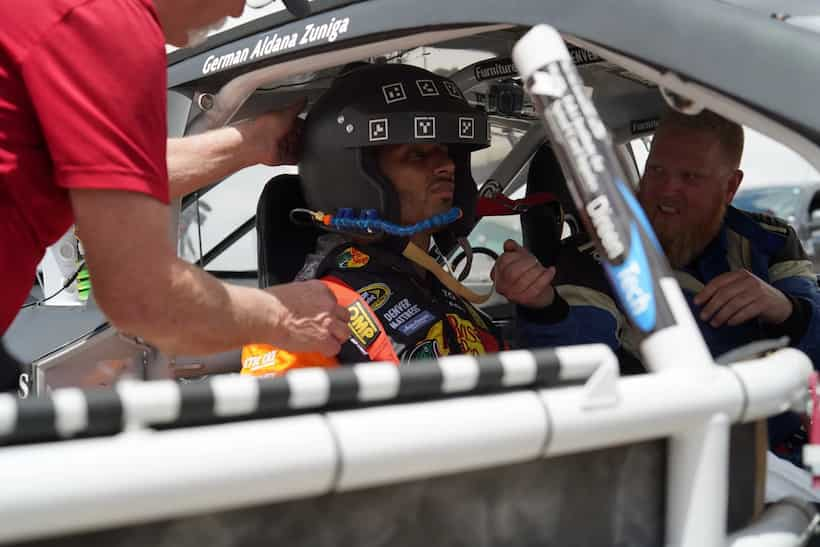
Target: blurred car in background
[(796, 203)]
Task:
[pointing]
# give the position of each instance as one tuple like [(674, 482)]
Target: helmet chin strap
[(413, 253)]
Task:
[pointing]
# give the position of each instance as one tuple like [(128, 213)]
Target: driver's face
[(423, 175)]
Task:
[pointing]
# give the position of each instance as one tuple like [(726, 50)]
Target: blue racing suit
[(584, 310)]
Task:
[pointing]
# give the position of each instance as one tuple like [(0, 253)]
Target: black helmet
[(376, 105)]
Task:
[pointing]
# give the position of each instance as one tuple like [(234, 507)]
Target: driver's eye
[(691, 178), (654, 170)]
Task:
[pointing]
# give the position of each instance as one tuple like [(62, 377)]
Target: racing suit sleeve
[(583, 311), (791, 272), (578, 315), (368, 341)]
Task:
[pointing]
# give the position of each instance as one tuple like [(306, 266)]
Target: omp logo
[(362, 324), (376, 295)]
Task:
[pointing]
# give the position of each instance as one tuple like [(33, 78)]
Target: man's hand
[(520, 277), (196, 161), (310, 320), (735, 297), (274, 138)]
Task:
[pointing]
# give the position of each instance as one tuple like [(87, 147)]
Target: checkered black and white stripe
[(74, 413)]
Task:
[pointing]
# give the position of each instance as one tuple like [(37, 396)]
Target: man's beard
[(683, 243)]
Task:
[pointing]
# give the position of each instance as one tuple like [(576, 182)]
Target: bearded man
[(744, 275)]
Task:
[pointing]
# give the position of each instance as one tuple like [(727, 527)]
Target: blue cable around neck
[(368, 222)]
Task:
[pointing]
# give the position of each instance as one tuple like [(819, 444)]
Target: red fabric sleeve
[(97, 80)]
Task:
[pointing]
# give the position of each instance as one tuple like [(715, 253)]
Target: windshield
[(780, 202)]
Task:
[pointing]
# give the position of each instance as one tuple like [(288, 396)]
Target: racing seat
[(542, 226), (281, 245)]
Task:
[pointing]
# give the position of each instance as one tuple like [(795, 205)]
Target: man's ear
[(733, 184)]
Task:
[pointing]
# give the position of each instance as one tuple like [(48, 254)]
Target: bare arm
[(199, 160), (146, 290)]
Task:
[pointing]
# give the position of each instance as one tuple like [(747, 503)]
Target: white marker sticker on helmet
[(466, 128), (452, 89), (427, 88), (379, 129), (425, 127), (394, 93)]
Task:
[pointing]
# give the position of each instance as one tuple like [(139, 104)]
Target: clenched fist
[(521, 278), (310, 319), (274, 138)]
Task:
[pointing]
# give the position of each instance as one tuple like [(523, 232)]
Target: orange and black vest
[(395, 315)]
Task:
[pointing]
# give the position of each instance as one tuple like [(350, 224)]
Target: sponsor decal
[(431, 347), (466, 128), (642, 126), (255, 362), (352, 258), (362, 324), (416, 323), (582, 57), (24, 386), (425, 127), (407, 317), (634, 77), (378, 130), (600, 213), (269, 44), (427, 88), (580, 126), (452, 300), (633, 283), (490, 189), (494, 70), (423, 350), (376, 295), (471, 339), (394, 93)]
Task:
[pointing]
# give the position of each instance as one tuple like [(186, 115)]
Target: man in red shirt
[(83, 140)]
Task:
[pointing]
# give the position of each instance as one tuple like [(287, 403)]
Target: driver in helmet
[(387, 149)]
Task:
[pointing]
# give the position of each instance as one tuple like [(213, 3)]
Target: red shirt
[(82, 105)]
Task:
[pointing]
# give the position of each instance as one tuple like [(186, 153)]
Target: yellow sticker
[(362, 324)]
